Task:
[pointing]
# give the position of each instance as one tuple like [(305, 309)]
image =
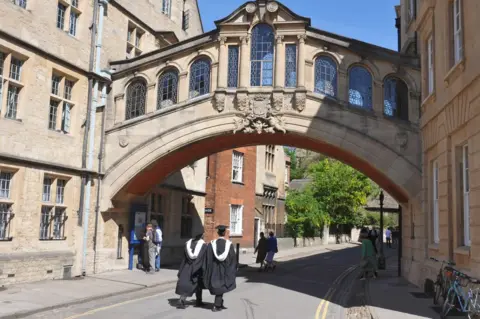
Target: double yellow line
[(322, 309)]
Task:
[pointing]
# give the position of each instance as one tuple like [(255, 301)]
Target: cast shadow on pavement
[(190, 303)]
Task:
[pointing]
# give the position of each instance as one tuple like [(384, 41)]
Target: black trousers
[(218, 301), (198, 295)]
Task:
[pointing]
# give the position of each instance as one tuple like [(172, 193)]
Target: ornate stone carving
[(251, 7), (278, 101), (279, 39), (401, 139), (272, 7), (123, 141), (242, 101), (219, 101), (222, 40), (302, 38), (259, 117), (300, 101)]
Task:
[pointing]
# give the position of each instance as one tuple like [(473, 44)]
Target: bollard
[(238, 255)]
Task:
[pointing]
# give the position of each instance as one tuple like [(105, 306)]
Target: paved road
[(296, 290)]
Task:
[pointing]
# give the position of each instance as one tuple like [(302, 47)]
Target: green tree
[(342, 190), (295, 171)]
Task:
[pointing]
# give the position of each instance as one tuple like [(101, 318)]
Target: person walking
[(157, 241), (261, 250), (388, 236), (220, 268), (373, 235), (190, 274), (272, 249), (152, 248), (369, 260)]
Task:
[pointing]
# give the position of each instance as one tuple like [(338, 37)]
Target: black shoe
[(181, 305), (223, 307), (199, 304), (216, 309)]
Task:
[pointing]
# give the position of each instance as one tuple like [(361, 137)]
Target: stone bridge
[(263, 76)]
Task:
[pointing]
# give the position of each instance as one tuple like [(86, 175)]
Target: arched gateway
[(264, 76)]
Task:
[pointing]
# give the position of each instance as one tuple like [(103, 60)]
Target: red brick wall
[(221, 192)]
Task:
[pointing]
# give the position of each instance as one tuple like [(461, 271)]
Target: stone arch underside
[(149, 162)]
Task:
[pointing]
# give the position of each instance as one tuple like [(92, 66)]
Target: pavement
[(301, 272)]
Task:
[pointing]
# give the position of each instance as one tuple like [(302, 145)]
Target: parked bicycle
[(443, 281), (466, 302)]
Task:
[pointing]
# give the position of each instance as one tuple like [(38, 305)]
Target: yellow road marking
[(93, 311), (325, 310), (320, 306)]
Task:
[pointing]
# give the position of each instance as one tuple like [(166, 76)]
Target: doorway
[(256, 234)]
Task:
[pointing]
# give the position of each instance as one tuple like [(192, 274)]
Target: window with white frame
[(269, 157), (20, 3), (466, 196), (64, 10), (6, 205), (430, 65), (166, 7), (73, 23), (236, 220), (53, 213), (134, 40), (61, 105), (457, 31), (12, 81), (436, 213), (61, 10), (237, 167)]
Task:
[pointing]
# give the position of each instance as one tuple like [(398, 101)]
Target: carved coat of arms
[(259, 117)]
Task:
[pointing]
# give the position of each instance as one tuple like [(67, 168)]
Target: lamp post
[(381, 259)]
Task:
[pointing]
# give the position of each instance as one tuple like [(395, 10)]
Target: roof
[(388, 202), (299, 184)]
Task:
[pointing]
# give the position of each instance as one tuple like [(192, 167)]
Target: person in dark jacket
[(261, 250), (221, 268), (190, 274)]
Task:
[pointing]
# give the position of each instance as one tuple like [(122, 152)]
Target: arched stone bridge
[(264, 76)]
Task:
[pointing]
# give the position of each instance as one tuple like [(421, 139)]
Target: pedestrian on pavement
[(369, 260), (388, 236), (220, 268), (261, 250), (157, 241), (190, 274), (373, 235), (272, 249), (152, 248)]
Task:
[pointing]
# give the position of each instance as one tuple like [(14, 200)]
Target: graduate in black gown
[(190, 274), (221, 268)]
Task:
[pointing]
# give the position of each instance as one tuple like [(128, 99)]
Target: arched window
[(395, 97), (360, 88), (326, 76), (199, 78), (263, 41), (167, 89), (136, 98)]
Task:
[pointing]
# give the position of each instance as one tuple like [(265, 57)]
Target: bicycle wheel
[(473, 310), (448, 304), (437, 292)]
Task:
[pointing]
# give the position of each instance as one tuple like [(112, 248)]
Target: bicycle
[(465, 302), (443, 280)]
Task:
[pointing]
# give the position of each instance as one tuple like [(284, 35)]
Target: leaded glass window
[(232, 66), (61, 9), (360, 88), (136, 98), (291, 66), (395, 98), (326, 76), (12, 102), (199, 78), (262, 55), (167, 89)]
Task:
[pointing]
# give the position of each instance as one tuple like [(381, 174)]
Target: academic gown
[(190, 274), (220, 276)]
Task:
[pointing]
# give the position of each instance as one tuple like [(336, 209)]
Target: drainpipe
[(91, 135), (89, 109)]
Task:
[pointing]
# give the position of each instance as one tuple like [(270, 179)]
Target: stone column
[(151, 98), (377, 97), (301, 60), (244, 63), (183, 87), (279, 62), (223, 64)]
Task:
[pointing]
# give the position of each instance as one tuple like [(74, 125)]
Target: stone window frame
[(236, 227), (172, 90), (270, 158), (186, 222), (402, 111), (139, 107), (435, 213), (262, 61), (7, 203), (20, 3), (11, 85), (291, 67), (360, 85), (73, 13), (193, 83), (186, 20), (465, 192), (455, 55), (238, 160), (318, 74), (269, 207), (430, 63), (167, 7), (233, 71), (61, 122), (135, 35), (53, 211)]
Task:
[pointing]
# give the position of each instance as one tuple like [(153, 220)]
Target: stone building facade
[(49, 157)]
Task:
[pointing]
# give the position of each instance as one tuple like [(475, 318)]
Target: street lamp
[(381, 259)]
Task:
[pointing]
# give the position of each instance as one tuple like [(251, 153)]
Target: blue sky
[(372, 21)]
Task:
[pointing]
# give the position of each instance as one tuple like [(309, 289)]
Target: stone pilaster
[(223, 64), (301, 60), (244, 63), (279, 62)]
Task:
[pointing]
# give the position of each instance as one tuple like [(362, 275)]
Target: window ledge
[(19, 121), (431, 98), (434, 246), (6, 201), (6, 239), (462, 250), (236, 235), (455, 72), (16, 83), (54, 239), (238, 182)]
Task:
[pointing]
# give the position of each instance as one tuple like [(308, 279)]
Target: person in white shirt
[(388, 236), (157, 241)]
